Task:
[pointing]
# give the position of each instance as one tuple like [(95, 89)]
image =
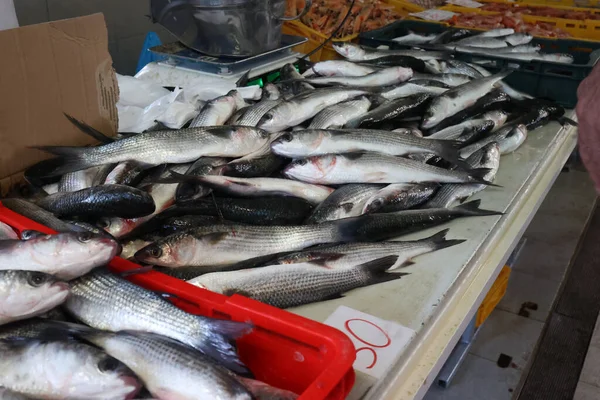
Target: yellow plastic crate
[(493, 297), (566, 3), (315, 38), (578, 29)]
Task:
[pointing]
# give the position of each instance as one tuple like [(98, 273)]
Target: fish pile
[(509, 20), (543, 11), (326, 15), (502, 42), (133, 337), (289, 200)]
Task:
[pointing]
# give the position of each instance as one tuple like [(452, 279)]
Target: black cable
[(319, 47)]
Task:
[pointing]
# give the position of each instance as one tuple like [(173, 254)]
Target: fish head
[(271, 92), (173, 251), (294, 144), (101, 376), (29, 293), (311, 169), (348, 50), (278, 118), (430, 119), (491, 155), (117, 227)]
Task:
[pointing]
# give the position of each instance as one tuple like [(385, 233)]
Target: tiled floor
[(589, 380), (515, 326)]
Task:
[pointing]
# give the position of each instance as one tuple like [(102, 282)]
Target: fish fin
[(72, 160), (477, 175), (449, 150), (243, 81), (406, 263), (440, 242), (261, 390), (333, 296), (566, 121), (501, 75), (377, 270), (88, 130), (218, 345), (461, 200), (322, 259), (472, 209)]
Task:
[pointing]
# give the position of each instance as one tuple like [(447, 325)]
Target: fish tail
[(88, 130), (72, 160), (477, 175), (449, 150), (501, 75), (377, 270), (347, 229), (471, 209), (439, 240), (220, 345)]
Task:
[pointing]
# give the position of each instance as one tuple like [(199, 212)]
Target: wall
[(127, 22)]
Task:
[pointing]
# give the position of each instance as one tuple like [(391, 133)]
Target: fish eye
[(37, 278), (301, 161), (103, 223), (84, 237), (287, 137), (108, 364), (155, 252), (268, 116)]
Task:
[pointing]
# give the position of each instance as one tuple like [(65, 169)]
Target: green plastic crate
[(545, 79)]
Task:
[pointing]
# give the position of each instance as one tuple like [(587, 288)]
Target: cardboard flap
[(48, 69)]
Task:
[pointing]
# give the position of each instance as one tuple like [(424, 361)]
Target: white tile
[(510, 334), (478, 379), (591, 367), (525, 288), (586, 392)]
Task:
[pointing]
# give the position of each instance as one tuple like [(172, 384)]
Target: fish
[(175, 224), (481, 41), (263, 391), (7, 232), (384, 77), (203, 166), (264, 210), (33, 328), (77, 180), (31, 234), (357, 53), (261, 163), (229, 244), (67, 370), (252, 115), (105, 301), (410, 88), (465, 131), (297, 284), (38, 214), (413, 63), (217, 111), (453, 66), (346, 201), (339, 114), (170, 369), (414, 38), (500, 32), (317, 142), (125, 173), (163, 147), (393, 110), (339, 169), (517, 39), (258, 187), (348, 255), (509, 139), (451, 35), (132, 246), (100, 201), (304, 106), (340, 68), (6, 394), (523, 48), (292, 82), (65, 255), (398, 197), (451, 80), (25, 294), (459, 98), (486, 157)]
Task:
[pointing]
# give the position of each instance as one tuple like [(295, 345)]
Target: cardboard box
[(48, 69)]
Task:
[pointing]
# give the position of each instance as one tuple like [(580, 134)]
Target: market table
[(445, 288)]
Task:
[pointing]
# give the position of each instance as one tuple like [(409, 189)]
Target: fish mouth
[(63, 286), (130, 381)]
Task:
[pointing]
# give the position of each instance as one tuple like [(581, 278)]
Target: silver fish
[(257, 187), (297, 284), (66, 371), (78, 180), (343, 256), (6, 232), (410, 88), (66, 255), (217, 111), (481, 41), (202, 166), (305, 106), (341, 68), (523, 48), (497, 32), (105, 301), (463, 68), (39, 215), (25, 294), (464, 129), (385, 77), (355, 52), (338, 169), (125, 173), (486, 157), (414, 38), (169, 369), (459, 98), (253, 114), (164, 147), (451, 80), (399, 196), (509, 139), (338, 115), (517, 39), (316, 142), (346, 201)]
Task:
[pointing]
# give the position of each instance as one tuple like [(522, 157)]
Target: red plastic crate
[(284, 350)]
